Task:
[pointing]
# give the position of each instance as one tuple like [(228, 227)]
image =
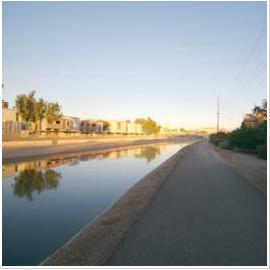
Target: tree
[(252, 139), (34, 111), (25, 105), (149, 126), (40, 111), (261, 111), (53, 111)]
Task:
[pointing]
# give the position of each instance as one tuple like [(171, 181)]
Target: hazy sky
[(122, 60)]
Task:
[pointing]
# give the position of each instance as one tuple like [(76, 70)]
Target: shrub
[(224, 144), (247, 138), (216, 138), (262, 151)]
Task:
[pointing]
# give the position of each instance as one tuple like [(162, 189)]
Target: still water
[(45, 202)]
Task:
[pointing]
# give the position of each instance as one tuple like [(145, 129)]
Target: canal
[(45, 202)]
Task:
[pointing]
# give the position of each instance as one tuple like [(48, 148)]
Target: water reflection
[(52, 199), (30, 181), (148, 153)]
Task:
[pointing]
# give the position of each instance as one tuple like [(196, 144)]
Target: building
[(11, 122), (113, 127), (250, 120), (76, 124), (66, 124), (91, 126), (124, 127), (62, 123), (117, 127), (52, 125), (138, 129), (131, 128)]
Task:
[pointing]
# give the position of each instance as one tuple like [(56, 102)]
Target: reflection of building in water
[(134, 152), (147, 152), (11, 169), (114, 155)]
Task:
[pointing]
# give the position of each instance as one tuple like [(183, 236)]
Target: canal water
[(45, 202)]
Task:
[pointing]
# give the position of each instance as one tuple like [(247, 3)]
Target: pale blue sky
[(122, 60)]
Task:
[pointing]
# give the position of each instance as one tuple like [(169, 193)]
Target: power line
[(251, 74), (258, 61), (252, 50)]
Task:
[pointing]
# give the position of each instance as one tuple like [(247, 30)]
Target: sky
[(123, 60)]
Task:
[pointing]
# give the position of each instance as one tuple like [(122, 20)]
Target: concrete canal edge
[(96, 242)]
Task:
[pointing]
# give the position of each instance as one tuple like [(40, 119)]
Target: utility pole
[(218, 113)]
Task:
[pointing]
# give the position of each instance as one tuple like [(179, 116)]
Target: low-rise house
[(76, 124), (131, 128), (61, 123), (124, 127), (11, 122), (138, 129), (51, 125), (114, 127), (67, 124), (91, 126)]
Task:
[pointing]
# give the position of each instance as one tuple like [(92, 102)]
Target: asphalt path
[(205, 214)]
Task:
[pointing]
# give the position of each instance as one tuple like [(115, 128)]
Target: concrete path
[(205, 214)]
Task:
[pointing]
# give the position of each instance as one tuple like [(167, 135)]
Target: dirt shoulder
[(13, 155), (94, 244), (252, 168)]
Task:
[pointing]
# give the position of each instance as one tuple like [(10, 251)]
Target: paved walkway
[(205, 214)]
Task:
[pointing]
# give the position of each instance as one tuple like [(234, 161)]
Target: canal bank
[(97, 241)]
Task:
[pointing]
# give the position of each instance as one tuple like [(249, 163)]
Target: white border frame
[(157, 267)]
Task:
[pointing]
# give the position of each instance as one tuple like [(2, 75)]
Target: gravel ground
[(252, 168)]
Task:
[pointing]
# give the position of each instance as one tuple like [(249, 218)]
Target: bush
[(224, 144), (262, 151), (244, 139), (217, 138), (247, 138)]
